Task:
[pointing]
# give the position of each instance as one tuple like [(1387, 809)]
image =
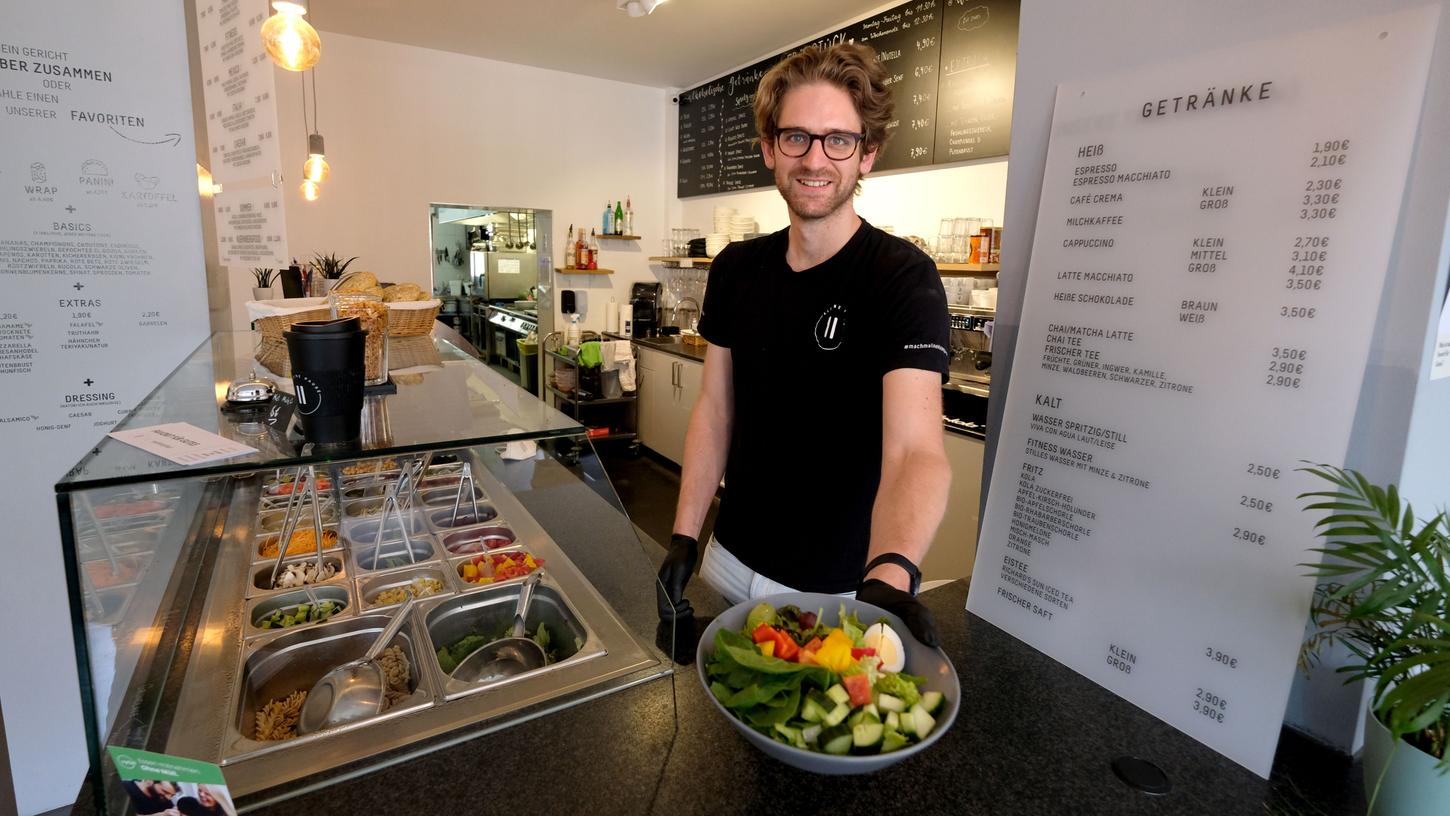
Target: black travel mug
[(327, 371)]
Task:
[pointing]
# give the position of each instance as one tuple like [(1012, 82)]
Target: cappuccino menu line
[(1211, 238)]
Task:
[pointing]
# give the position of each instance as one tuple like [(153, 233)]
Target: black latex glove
[(903, 605), (675, 572)]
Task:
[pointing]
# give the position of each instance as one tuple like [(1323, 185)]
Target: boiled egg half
[(888, 647)]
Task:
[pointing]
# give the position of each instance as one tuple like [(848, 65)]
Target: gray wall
[(1401, 433)]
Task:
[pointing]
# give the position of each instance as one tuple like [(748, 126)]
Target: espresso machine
[(644, 307), (964, 398)]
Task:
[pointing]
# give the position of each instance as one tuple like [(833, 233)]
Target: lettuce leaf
[(760, 690)]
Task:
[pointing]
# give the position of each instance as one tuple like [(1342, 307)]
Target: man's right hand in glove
[(675, 572)]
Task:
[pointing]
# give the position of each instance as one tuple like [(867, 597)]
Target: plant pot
[(1412, 785), (261, 293)]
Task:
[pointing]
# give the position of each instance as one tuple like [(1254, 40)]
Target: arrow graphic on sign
[(173, 139)]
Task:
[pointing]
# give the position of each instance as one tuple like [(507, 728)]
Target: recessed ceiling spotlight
[(638, 8)]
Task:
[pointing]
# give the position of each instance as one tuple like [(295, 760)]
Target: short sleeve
[(716, 319), (917, 326)]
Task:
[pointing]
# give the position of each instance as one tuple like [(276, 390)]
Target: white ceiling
[(682, 43)]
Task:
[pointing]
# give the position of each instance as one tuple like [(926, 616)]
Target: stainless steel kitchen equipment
[(506, 274), (971, 349)]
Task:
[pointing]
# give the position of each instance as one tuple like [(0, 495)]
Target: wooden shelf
[(617, 237), (968, 269), (681, 261), (562, 271)]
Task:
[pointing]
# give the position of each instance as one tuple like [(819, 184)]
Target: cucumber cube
[(811, 734), (837, 715), (866, 735), (836, 740), (839, 694), (907, 725), (893, 721), (892, 741), (921, 722), (886, 702), (931, 701)]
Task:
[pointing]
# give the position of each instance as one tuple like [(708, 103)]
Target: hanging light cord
[(314, 99)]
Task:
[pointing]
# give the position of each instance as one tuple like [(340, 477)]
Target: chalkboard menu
[(978, 66), (949, 64)]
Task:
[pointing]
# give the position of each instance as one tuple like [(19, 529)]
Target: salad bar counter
[(295, 627), (212, 602)]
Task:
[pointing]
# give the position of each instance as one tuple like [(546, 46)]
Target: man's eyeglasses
[(838, 145)]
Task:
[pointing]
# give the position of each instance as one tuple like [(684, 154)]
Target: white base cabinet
[(955, 546), (668, 388)]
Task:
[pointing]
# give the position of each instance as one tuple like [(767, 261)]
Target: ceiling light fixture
[(291, 41), (315, 168), (638, 8)]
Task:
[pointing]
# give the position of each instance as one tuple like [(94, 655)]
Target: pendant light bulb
[(311, 190), (315, 168), (291, 41)]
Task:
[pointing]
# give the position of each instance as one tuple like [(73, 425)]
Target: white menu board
[(239, 88), (1440, 361), (1210, 248), (102, 292)]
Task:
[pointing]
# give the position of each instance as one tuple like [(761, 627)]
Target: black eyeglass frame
[(857, 139)]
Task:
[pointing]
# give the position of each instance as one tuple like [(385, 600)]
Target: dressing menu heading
[(950, 65)]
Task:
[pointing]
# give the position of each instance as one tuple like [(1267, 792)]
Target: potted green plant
[(1385, 596), (263, 289), (331, 267)]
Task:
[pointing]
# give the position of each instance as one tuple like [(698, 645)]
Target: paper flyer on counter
[(170, 785)]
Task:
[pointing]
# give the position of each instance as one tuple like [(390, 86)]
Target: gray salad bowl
[(920, 660)]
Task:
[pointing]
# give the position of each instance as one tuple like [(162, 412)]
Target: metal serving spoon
[(508, 656), (355, 689)]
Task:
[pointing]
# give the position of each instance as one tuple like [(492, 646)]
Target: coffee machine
[(644, 300)]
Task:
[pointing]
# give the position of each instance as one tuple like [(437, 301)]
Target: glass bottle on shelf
[(568, 250), (628, 217), (593, 251), (608, 219), (618, 217), (581, 260)]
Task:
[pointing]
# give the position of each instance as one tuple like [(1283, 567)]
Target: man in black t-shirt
[(821, 401)]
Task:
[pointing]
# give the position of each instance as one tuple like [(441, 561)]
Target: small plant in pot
[(331, 267), (264, 278), (1385, 596)]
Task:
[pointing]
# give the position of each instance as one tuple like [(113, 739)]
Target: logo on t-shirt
[(831, 327)]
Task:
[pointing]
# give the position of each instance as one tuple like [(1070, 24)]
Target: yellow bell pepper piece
[(835, 652), (767, 648), (470, 572)]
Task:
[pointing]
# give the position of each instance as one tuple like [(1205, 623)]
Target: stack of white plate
[(722, 219), (714, 242), (741, 227)]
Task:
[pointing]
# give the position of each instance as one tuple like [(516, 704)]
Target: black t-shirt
[(809, 350)]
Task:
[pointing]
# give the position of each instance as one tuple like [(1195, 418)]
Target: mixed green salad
[(451, 655), (833, 689)]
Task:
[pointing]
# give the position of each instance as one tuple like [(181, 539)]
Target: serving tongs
[(465, 479), (296, 502), (85, 506), (390, 500)]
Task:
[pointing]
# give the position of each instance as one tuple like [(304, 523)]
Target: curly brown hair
[(852, 67)]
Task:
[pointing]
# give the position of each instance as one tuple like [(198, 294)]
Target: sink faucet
[(692, 309)]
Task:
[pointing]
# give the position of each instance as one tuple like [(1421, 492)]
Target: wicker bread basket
[(412, 318), (272, 317)]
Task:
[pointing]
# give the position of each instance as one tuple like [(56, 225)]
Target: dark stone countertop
[(1032, 737)]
